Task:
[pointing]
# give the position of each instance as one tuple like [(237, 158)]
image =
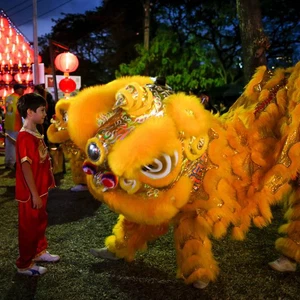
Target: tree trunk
[(254, 41), (147, 24)]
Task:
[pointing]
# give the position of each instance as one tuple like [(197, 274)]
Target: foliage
[(185, 68), (210, 24), (102, 39), (201, 45), (283, 30), (196, 48)]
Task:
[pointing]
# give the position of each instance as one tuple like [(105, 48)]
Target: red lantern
[(66, 62), (19, 39), (27, 77), (7, 78), (18, 77), (4, 92), (4, 23), (67, 85)]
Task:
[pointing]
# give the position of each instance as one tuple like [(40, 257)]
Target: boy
[(33, 179)]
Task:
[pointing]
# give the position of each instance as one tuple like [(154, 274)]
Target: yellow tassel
[(256, 79), (288, 248), (260, 222), (238, 234), (220, 228)]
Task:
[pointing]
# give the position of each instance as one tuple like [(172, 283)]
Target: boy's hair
[(30, 101)]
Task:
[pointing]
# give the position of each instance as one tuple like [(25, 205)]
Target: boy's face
[(38, 117)]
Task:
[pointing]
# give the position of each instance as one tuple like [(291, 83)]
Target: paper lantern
[(66, 62), (18, 77), (19, 39), (3, 93), (27, 76), (67, 85), (11, 33), (4, 23), (7, 78)]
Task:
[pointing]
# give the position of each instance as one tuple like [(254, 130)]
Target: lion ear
[(189, 114)]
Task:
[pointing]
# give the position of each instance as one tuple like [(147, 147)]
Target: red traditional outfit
[(30, 147)]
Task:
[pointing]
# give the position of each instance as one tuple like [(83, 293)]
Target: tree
[(254, 42), (198, 43), (196, 49), (194, 70), (281, 25), (102, 39)]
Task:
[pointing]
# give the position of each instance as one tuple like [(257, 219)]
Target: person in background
[(33, 180), (205, 100), (1, 119), (12, 124), (50, 108)]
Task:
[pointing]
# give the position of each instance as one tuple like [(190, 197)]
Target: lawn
[(77, 222)]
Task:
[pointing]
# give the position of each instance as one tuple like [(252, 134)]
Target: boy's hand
[(37, 202)]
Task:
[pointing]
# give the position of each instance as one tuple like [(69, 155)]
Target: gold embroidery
[(42, 151), (291, 140), (26, 158)]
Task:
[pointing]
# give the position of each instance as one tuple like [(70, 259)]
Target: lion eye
[(93, 152), (148, 168), (161, 167)]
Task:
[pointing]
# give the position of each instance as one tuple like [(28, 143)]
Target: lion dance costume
[(159, 159), (57, 133)]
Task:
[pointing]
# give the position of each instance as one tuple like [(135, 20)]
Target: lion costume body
[(158, 158)]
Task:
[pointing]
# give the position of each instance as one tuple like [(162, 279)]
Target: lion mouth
[(156, 171), (106, 180)]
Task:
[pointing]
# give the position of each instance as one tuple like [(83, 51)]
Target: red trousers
[(32, 228)]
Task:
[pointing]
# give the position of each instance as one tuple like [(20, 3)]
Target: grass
[(77, 223)]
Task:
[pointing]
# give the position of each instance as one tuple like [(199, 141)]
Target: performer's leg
[(195, 260), (289, 245), (128, 237)]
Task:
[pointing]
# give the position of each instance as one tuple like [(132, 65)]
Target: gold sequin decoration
[(212, 134), (291, 140), (257, 88), (275, 183)]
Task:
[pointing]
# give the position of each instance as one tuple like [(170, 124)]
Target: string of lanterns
[(66, 62), (16, 57)]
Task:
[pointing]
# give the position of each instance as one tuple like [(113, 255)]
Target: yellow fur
[(89, 103), (58, 134)]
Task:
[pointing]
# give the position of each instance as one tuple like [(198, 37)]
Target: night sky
[(20, 13)]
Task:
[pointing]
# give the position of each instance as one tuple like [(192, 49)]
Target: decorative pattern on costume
[(58, 134)]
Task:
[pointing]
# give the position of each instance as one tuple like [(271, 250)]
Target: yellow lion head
[(140, 157)]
